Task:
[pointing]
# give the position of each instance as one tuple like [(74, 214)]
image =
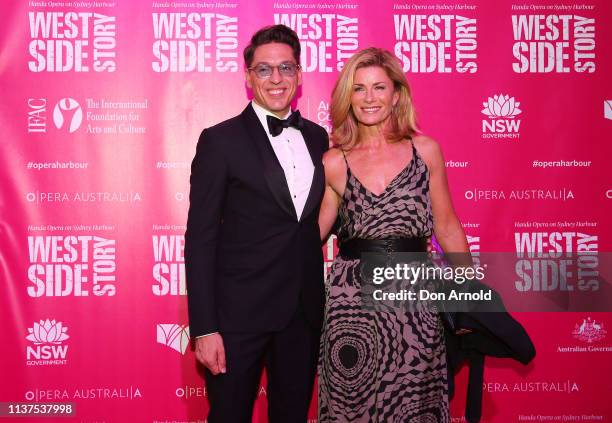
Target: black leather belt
[(353, 248)]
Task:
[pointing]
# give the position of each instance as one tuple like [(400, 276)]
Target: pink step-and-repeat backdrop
[(102, 104)]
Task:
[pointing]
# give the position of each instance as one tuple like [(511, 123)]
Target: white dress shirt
[(292, 153)]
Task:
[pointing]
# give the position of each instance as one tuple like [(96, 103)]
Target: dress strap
[(348, 169), (415, 154)]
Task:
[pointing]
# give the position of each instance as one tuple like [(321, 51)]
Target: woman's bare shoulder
[(335, 168), (428, 148), (333, 159)]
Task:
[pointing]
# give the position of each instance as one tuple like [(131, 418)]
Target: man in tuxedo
[(252, 248)]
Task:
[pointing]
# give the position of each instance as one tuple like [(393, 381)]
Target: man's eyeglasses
[(263, 70)]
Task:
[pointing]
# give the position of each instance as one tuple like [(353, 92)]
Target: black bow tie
[(276, 125)]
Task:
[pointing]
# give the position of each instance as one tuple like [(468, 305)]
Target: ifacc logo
[(69, 111)]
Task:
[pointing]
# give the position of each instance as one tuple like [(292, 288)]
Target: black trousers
[(290, 357)]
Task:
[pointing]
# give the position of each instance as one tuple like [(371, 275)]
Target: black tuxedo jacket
[(494, 332), (250, 262)]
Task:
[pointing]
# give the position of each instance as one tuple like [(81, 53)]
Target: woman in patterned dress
[(384, 181)]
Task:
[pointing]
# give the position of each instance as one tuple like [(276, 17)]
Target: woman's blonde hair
[(402, 120)]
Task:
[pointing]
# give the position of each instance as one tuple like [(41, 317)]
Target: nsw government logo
[(68, 114), (502, 111), (173, 336), (47, 337), (589, 331)]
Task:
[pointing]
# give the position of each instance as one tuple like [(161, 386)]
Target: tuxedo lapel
[(318, 178), (272, 169)]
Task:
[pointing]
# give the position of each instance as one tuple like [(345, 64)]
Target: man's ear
[(247, 77)]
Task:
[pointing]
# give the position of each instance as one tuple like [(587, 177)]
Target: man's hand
[(211, 353)]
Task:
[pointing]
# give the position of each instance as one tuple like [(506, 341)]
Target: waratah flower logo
[(501, 106), (47, 332)]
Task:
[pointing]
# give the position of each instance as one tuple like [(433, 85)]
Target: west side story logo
[(169, 266), (328, 40), (546, 260), (195, 42), (63, 266), (436, 43), (553, 43), (47, 337), (72, 41)]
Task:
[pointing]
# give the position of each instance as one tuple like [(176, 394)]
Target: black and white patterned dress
[(381, 366)]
